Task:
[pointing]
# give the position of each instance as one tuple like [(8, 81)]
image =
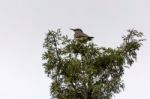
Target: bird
[(80, 34)]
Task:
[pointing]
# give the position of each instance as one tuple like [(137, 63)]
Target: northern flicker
[(80, 34)]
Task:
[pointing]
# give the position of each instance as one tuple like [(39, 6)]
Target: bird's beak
[(71, 29)]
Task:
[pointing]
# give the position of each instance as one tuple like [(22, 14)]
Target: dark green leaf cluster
[(85, 71)]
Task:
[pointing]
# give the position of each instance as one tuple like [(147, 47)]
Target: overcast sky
[(24, 23)]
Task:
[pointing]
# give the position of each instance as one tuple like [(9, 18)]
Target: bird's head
[(76, 30)]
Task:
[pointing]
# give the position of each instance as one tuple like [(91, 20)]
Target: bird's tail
[(90, 38)]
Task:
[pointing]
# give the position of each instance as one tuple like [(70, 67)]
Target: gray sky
[(24, 23)]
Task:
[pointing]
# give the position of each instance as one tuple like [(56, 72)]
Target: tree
[(85, 71)]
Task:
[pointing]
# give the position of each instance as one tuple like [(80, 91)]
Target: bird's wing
[(78, 35), (85, 35)]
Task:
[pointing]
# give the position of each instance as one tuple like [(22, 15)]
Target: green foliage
[(82, 70)]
